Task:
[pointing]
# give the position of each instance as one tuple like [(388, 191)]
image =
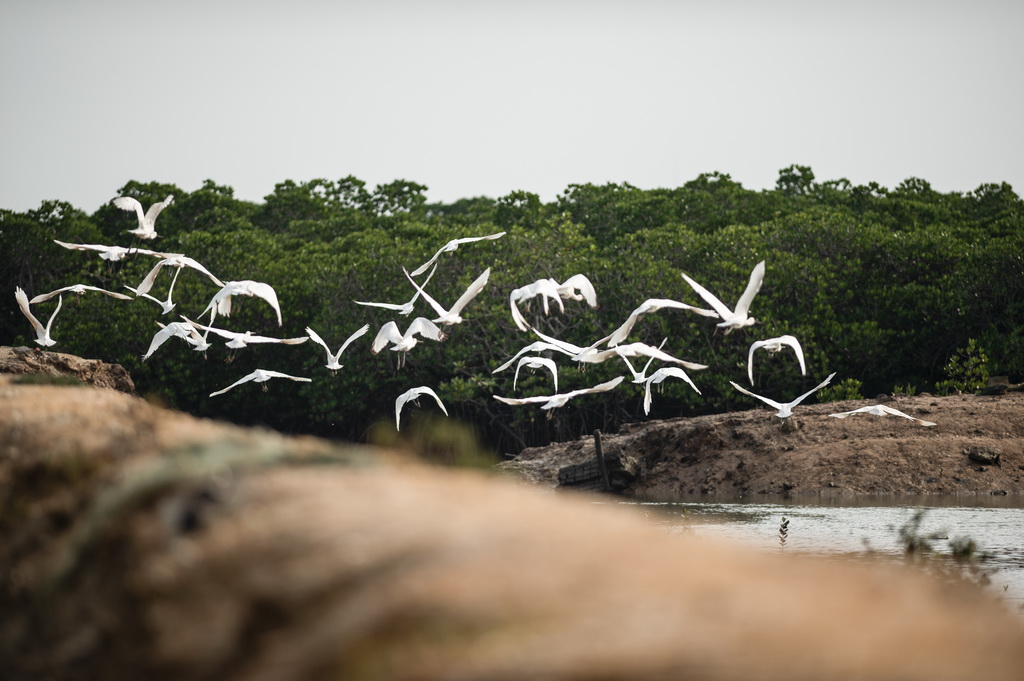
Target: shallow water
[(845, 528)]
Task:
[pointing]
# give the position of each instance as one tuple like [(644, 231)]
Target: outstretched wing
[(753, 286)]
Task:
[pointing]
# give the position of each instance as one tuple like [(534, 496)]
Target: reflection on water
[(996, 524)]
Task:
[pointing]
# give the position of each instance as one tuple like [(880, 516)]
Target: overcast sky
[(484, 98)]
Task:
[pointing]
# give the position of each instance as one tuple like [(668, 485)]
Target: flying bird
[(739, 317), (452, 315), (635, 350), (402, 308), (452, 246), (42, 332), (333, 359), (546, 288), (147, 220), (113, 253), (179, 329), (79, 289), (537, 363), (648, 306), (881, 410), (240, 340), (221, 301), (786, 410), (413, 395), (576, 287), (260, 376), (556, 401), (771, 346), (659, 376), (536, 346), (178, 261), (403, 343)]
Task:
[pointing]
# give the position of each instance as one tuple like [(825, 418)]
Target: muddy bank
[(748, 454)]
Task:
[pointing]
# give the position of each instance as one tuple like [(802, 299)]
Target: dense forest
[(904, 289)]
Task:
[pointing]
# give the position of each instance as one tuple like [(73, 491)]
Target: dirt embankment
[(745, 454), (143, 543)]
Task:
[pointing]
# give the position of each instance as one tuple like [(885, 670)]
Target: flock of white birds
[(552, 294)]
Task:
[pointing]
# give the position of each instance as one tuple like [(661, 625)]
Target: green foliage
[(877, 284), (967, 371), (846, 389)]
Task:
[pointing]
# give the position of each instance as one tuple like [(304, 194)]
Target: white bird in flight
[(452, 315), (659, 376), (165, 305), (556, 401), (413, 395), (333, 362), (537, 363), (546, 288), (648, 306), (403, 343), (881, 410), (773, 345), (403, 308), (786, 410), (260, 376), (179, 329), (240, 340), (452, 246), (179, 262), (113, 253), (221, 301), (635, 350), (739, 317), (42, 332), (536, 346), (147, 220), (79, 289)]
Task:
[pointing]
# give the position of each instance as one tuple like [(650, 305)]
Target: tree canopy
[(879, 285)]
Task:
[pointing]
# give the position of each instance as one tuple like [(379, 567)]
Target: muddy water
[(995, 524)]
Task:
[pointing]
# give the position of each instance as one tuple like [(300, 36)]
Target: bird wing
[(770, 403), (753, 286), (812, 390), (517, 401), (750, 359), (22, 298), (708, 297), (161, 336), (579, 285), (426, 296), (269, 373), (536, 363), (130, 203), (147, 282), (388, 333), (315, 337), (264, 291), (620, 334), (240, 381), (471, 292), (155, 209), (599, 388), (348, 341), (795, 344), (535, 346), (426, 329)]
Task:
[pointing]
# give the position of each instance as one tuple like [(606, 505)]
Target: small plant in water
[(783, 533), (964, 561)]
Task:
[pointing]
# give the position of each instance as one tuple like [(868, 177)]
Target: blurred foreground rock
[(143, 543)]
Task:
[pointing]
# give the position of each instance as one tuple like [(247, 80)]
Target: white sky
[(484, 98)]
